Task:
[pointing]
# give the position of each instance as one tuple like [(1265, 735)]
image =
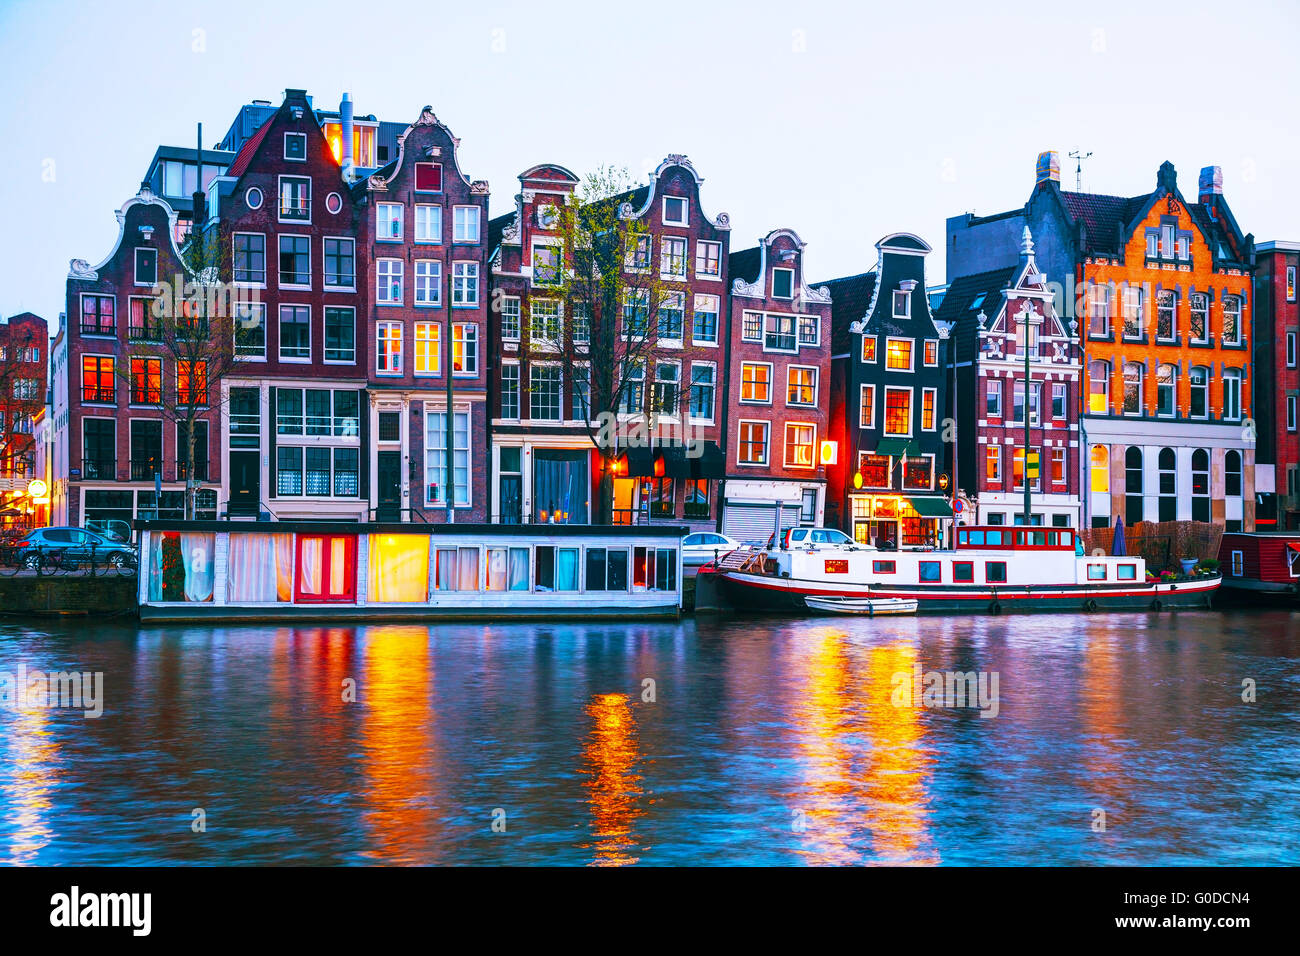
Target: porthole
[(253, 197)]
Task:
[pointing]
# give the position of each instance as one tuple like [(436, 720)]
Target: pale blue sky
[(845, 121)]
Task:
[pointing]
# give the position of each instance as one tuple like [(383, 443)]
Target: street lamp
[(945, 330), (1028, 319)]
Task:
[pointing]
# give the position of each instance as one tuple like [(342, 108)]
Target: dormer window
[(428, 177), (676, 211), (295, 147), (783, 283), (902, 304), (146, 267)]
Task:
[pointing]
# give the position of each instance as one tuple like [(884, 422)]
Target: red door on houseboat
[(326, 569)]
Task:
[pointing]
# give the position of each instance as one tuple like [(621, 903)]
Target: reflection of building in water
[(1100, 697), (613, 785), (397, 740), (28, 780), (865, 772)]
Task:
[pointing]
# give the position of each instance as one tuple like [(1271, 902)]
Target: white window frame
[(816, 385), (863, 390), (794, 291), (767, 442), (934, 394), (434, 351), (518, 389), (899, 295), (300, 136), (324, 259), (518, 316), (785, 445), (476, 220), (533, 369), (665, 257), (884, 411), (925, 348), (324, 326), (770, 384), (478, 358), (279, 199), (433, 281), (381, 218), (399, 273), (469, 265), (394, 330), (266, 255), (911, 353), (686, 211), (1291, 413), (690, 414), (296, 286), (252, 357), (433, 238), (717, 319), (279, 339), (700, 246)]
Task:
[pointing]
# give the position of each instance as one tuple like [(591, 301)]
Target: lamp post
[(1028, 319), (945, 330)]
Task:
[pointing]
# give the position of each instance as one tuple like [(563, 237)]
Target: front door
[(388, 481), (512, 499), (245, 483)]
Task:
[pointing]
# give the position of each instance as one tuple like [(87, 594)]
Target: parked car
[(80, 544), (701, 546), (817, 538)]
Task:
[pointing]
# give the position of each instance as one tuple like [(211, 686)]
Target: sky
[(843, 121)]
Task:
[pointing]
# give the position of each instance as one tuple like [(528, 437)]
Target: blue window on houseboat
[(976, 538), (996, 538), (1096, 572), (1127, 572), (963, 572), (607, 569), (929, 572), (557, 568), (882, 567), (507, 569), (995, 572)]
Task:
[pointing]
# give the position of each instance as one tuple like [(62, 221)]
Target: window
[(1027, 339), (993, 463), (1231, 320), (751, 328), (1166, 389), (927, 409), (995, 572), (1199, 384), (428, 177), (464, 350), (388, 221), (931, 352), (388, 348), (146, 267), (388, 281), (1099, 388), (705, 326), (1099, 469), (295, 146), (671, 316), (783, 283), (435, 445), (295, 260), (1058, 466), (97, 383), (963, 572), (676, 211), (457, 570), (637, 256), (1291, 413), (1290, 283), (97, 316), (146, 381), (295, 199), (428, 283), (510, 391), (867, 407), (191, 383), (703, 385), (1058, 400), (295, 333), (465, 224), (1200, 485), (580, 323), (340, 335), (1231, 394), (808, 506), (1133, 324), (251, 331), (1018, 470), (756, 382), (1099, 315), (544, 393), (582, 393), (1133, 404), (801, 385), (557, 569), (390, 427), (918, 473), (898, 354), (1133, 505), (875, 470), (898, 411), (902, 304), (869, 349), (1166, 315), (1096, 572), (1167, 484), (99, 448), (606, 569), (464, 284), (340, 263), (632, 387), (428, 349), (667, 378), (510, 318), (928, 572), (1232, 473), (993, 398), (428, 223), (544, 322), (883, 567), (672, 257), (1199, 330), (636, 313), (249, 255), (799, 442), (752, 446), (659, 493), (810, 330), (708, 259), (1290, 350)]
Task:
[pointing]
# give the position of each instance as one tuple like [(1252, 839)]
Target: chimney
[(1211, 184), (1167, 178), (200, 201), (1049, 167), (345, 131)]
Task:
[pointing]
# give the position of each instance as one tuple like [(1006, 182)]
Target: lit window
[(388, 356), (799, 441), (756, 382), (428, 348), (752, 447), (898, 354)]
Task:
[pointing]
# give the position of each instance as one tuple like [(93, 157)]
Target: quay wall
[(67, 594)]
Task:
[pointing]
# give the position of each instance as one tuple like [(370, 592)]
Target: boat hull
[(761, 592)]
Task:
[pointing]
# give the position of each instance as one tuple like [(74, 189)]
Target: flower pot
[(1187, 564)]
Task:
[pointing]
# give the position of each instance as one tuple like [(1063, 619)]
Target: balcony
[(100, 468), (144, 468), (103, 394), (200, 470)]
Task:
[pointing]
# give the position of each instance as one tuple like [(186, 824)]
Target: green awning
[(895, 447), (931, 507)]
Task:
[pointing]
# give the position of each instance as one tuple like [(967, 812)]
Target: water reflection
[(609, 762), (32, 751)]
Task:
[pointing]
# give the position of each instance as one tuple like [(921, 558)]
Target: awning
[(676, 464), (640, 463), (931, 507), (711, 463), (894, 447)]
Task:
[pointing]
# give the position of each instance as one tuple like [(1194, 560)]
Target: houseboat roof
[(395, 527)]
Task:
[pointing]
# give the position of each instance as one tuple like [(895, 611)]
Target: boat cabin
[(1265, 561)]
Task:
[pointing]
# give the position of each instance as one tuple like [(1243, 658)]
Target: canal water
[(1110, 740)]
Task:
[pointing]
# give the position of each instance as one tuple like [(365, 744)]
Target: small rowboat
[(855, 605)]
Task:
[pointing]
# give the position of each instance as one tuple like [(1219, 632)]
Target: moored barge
[(315, 570), (1261, 564), (993, 569)]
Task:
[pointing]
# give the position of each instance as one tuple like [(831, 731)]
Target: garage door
[(754, 523)]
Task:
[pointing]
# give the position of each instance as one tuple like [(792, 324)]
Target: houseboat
[(1260, 564), (994, 568), (324, 570)]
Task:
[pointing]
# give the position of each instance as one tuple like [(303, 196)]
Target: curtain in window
[(260, 568), (446, 570), (399, 568), (519, 569), (309, 574), (338, 565), (196, 554), (566, 569), (468, 577), (497, 565)]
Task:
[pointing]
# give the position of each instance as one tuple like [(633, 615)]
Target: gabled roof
[(248, 151), (1103, 217), (851, 298), (496, 229), (967, 297), (745, 264)]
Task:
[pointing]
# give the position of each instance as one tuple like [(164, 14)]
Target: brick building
[(1277, 385), (24, 361), (423, 233), (112, 434), (777, 370), (998, 316)]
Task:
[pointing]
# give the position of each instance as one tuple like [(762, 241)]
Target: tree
[(185, 346), (615, 303)]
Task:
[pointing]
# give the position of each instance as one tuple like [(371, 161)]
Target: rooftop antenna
[(1079, 156)]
